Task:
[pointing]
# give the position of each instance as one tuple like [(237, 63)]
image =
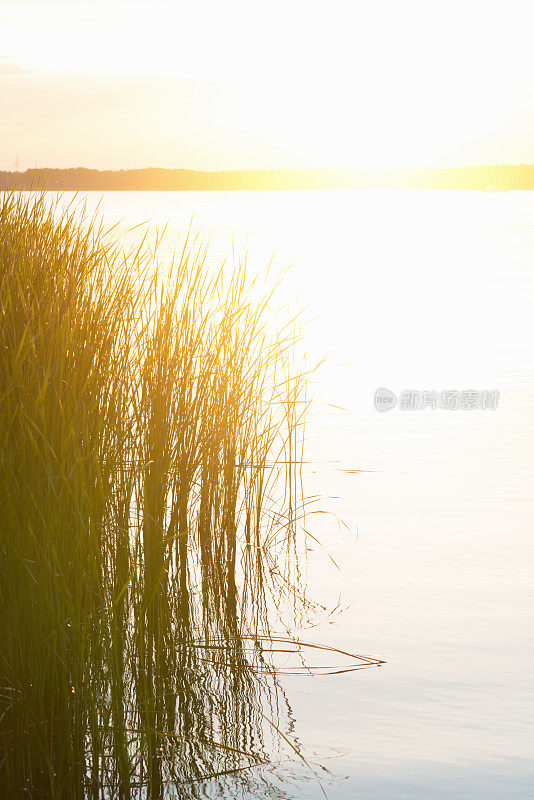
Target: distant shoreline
[(496, 177)]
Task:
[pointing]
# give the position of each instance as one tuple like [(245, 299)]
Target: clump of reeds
[(149, 497)]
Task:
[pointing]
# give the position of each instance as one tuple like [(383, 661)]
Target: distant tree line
[(489, 177)]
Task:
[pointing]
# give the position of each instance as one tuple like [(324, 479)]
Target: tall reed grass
[(149, 502)]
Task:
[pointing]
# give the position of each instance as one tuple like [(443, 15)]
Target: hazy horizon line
[(488, 177), (483, 165)]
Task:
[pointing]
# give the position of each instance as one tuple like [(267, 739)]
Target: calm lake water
[(408, 291)]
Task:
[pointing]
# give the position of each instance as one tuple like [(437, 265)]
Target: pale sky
[(222, 85)]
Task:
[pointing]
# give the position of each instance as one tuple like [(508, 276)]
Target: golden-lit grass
[(149, 499)]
